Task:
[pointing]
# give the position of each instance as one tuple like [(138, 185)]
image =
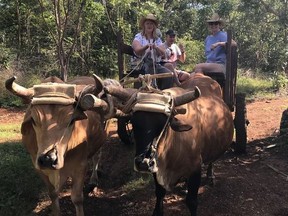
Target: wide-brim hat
[(215, 18), (148, 17)]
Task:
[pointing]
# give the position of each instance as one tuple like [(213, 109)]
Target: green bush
[(255, 86), (5, 57), (193, 48), (280, 81), (7, 99)]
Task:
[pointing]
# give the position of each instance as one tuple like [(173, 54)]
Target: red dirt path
[(249, 185)]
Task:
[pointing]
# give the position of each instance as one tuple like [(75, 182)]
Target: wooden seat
[(128, 50), (218, 76)]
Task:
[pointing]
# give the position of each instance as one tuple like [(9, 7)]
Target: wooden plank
[(227, 89)]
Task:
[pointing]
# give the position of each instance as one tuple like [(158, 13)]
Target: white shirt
[(172, 53), (144, 41)]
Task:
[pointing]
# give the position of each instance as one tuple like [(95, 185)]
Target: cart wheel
[(240, 123), (284, 123), (123, 130)]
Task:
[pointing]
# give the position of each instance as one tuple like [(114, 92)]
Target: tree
[(261, 38), (67, 16), (78, 37)]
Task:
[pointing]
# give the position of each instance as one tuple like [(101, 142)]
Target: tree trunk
[(19, 30)]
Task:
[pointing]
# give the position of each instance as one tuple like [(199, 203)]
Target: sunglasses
[(213, 23)]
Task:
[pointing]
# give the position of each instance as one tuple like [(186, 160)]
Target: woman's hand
[(213, 46), (160, 50)]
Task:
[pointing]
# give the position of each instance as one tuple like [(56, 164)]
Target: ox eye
[(33, 121), (71, 122)]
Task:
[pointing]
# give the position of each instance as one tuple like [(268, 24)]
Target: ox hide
[(204, 83), (180, 154), (61, 137)]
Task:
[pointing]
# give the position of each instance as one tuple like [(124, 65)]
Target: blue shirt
[(217, 55)]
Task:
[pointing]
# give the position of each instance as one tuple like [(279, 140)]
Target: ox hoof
[(90, 187)]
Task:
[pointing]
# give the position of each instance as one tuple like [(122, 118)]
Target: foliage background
[(40, 38)]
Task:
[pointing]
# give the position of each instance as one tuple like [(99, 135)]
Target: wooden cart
[(235, 101)]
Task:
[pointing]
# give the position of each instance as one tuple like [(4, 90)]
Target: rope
[(142, 60), (154, 145), (130, 103), (153, 54)]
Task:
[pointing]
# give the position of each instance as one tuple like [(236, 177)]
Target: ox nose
[(48, 160)]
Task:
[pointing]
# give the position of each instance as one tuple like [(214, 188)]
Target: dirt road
[(248, 185)]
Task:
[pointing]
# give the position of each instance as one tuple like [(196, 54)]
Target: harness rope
[(153, 56), (152, 51), (142, 59), (154, 146), (152, 157)]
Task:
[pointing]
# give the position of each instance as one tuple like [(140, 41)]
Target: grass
[(19, 184), (10, 132), (261, 87), (255, 87), (138, 183)]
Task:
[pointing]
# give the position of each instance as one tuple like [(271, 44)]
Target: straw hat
[(215, 18), (150, 17)]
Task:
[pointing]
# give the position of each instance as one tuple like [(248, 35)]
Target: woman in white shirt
[(147, 45)]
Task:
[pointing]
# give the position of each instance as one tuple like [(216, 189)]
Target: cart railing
[(231, 72)]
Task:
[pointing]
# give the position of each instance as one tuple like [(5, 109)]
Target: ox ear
[(26, 125), (79, 115), (180, 126)]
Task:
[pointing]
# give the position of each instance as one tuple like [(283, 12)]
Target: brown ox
[(59, 135), (180, 150)]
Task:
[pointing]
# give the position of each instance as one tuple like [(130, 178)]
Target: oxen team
[(175, 130)]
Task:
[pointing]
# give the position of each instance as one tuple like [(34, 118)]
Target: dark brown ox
[(59, 135), (181, 150)]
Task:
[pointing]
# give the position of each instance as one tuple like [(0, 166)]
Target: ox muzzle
[(48, 160)]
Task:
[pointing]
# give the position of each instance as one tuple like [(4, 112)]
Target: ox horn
[(187, 97), (98, 83), (20, 91), (119, 92), (83, 89), (90, 101)]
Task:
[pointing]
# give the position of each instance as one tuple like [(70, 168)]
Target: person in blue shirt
[(214, 47)]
